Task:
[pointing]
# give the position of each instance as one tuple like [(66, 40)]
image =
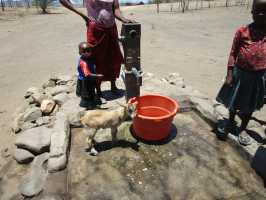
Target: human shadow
[(107, 145), (109, 96), (261, 122), (236, 129), (166, 140), (256, 136)]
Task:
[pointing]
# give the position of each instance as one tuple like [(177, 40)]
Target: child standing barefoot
[(244, 86), (86, 77)]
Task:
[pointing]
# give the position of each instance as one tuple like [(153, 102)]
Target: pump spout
[(137, 74)]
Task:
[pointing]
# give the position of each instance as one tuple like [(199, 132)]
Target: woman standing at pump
[(103, 37)]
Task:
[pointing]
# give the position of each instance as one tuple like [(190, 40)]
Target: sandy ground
[(195, 44)]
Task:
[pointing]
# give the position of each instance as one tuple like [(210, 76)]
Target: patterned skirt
[(246, 93)]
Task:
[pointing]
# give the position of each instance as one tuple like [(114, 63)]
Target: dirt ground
[(33, 47)]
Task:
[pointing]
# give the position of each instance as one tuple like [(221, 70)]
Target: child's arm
[(233, 57), (86, 71)]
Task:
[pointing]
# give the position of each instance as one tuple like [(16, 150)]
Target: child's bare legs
[(114, 89), (243, 137), (228, 127)]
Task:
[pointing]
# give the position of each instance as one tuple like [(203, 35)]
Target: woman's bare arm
[(118, 13)]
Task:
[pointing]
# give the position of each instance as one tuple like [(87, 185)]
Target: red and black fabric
[(106, 50)]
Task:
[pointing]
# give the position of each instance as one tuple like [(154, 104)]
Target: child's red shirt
[(248, 49)]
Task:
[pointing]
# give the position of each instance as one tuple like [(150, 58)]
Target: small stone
[(47, 106), (145, 169), (32, 114), (5, 153), (64, 79), (49, 83), (23, 156), (59, 89), (61, 98), (27, 125), (31, 91), (43, 120), (140, 182)]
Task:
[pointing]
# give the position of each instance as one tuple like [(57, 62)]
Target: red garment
[(106, 51), (248, 49)]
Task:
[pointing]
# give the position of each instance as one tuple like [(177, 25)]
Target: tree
[(3, 5), (43, 5)]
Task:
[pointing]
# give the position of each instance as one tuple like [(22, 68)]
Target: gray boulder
[(58, 89), (59, 143), (32, 114), (73, 111), (31, 91), (34, 182), (43, 120), (36, 140), (23, 156), (61, 98)]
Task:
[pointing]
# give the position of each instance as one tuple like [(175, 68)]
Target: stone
[(64, 79), (18, 121), (33, 183), (23, 156), (56, 164), (43, 120), (47, 106), (73, 111), (5, 153), (175, 79), (61, 98), (220, 110), (32, 114), (59, 143), (205, 109), (38, 98), (31, 91), (49, 83), (59, 89), (147, 75), (257, 132), (36, 140), (27, 125)]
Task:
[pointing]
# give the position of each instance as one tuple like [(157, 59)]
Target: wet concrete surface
[(190, 164)]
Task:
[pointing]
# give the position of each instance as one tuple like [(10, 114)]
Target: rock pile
[(43, 124)]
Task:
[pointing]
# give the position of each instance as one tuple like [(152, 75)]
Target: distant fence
[(185, 5), (160, 5)]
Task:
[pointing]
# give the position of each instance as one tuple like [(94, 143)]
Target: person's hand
[(99, 76), (128, 21), (229, 79), (86, 19)]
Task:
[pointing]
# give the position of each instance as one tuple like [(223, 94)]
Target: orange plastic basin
[(154, 116)]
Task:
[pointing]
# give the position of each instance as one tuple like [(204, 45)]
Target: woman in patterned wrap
[(103, 37)]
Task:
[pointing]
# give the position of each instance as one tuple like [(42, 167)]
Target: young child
[(244, 87), (87, 77)]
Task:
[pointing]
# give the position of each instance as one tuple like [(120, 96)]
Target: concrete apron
[(190, 164)]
